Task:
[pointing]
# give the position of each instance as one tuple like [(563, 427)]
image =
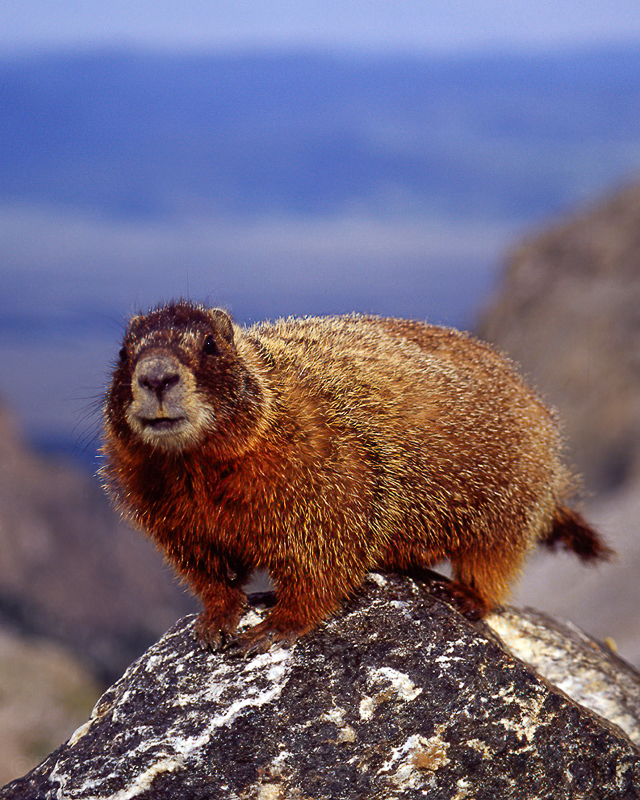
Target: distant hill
[(143, 135), (568, 311)]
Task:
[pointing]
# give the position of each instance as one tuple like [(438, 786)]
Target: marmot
[(319, 449)]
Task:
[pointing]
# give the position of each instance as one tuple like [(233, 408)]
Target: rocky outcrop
[(588, 672), (397, 697), (568, 310)]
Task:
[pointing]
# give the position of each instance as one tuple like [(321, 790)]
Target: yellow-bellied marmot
[(319, 449)]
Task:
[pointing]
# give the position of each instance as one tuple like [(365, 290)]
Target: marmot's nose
[(157, 374)]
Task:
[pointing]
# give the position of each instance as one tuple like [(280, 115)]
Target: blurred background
[(476, 165)]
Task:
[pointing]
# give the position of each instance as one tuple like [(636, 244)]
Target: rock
[(568, 310), (588, 672), (396, 697)]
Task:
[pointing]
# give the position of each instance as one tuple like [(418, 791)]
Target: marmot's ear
[(222, 323)]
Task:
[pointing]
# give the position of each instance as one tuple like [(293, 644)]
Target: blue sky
[(415, 25)]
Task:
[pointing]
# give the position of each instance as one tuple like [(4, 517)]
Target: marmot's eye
[(209, 346), (123, 355)]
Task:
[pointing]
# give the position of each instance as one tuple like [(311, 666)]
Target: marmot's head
[(179, 379)]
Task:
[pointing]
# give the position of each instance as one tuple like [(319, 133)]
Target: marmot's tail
[(574, 533)]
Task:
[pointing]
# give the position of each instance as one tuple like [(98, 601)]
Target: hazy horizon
[(278, 184), (383, 25)]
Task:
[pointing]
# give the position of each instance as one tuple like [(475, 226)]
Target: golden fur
[(321, 448)]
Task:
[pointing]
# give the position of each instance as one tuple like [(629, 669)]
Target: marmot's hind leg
[(416, 560), (482, 579)]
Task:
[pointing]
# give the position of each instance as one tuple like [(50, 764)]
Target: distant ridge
[(276, 184)]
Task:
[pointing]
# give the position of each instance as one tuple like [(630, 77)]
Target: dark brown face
[(177, 379)]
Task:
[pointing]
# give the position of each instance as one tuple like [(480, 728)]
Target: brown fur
[(319, 449)]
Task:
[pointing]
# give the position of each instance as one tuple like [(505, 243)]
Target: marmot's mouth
[(162, 423)]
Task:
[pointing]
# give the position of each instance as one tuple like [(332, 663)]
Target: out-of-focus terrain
[(81, 595), (568, 310), (45, 693), (69, 569)]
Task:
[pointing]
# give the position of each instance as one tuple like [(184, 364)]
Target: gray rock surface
[(585, 670), (397, 697)]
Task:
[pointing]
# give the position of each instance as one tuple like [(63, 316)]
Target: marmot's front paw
[(212, 635)]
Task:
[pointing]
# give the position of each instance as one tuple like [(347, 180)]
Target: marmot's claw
[(254, 645), (214, 639), (209, 640), (229, 640)]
